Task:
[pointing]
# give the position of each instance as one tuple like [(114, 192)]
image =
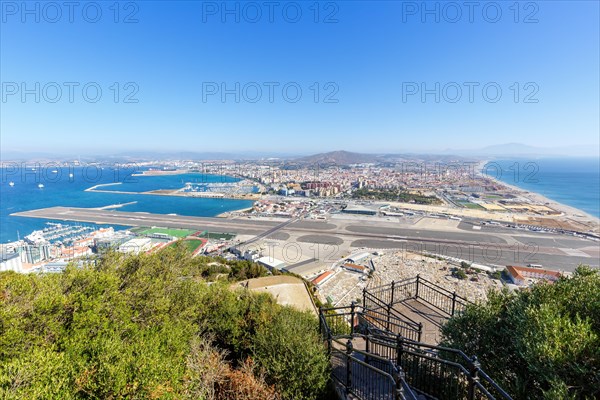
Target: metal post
[(321, 327), (474, 367), (392, 295), (453, 302), (417, 289), (398, 379), (399, 350), (367, 343), (352, 307), (348, 365), (364, 298), (420, 332), (389, 311)]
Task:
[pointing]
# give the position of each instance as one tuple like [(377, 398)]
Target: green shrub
[(288, 350), (131, 327), (542, 342)]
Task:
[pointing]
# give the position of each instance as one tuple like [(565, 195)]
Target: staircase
[(387, 349)]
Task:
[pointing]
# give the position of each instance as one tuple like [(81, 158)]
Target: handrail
[(449, 293), (386, 285), (413, 343), (399, 314), (369, 355), (487, 378), (409, 321), (401, 389), (431, 293), (428, 369)]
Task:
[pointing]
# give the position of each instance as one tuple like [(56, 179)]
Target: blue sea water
[(62, 190), (571, 181)]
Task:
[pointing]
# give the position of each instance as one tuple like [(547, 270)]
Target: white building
[(356, 258), (271, 263), (10, 262), (136, 246)]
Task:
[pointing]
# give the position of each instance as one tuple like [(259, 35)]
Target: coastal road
[(489, 246)]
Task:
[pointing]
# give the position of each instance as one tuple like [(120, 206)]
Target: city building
[(271, 263), (356, 268), (360, 210), (526, 275), (356, 258), (322, 278), (10, 262), (33, 254)]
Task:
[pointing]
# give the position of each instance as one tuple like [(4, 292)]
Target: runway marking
[(575, 252)]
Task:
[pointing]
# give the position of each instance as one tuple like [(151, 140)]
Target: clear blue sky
[(372, 55)]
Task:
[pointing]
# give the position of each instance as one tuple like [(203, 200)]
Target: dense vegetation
[(150, 327), (542, 343), (394, 195)]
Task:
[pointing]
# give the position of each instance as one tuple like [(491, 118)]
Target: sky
[(298, 77)]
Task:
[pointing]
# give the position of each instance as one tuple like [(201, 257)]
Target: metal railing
[(415, 288), (394, 363), (367, 376), (436, 371), (386, 317)]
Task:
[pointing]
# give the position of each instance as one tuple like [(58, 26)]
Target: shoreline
[(566, 210)]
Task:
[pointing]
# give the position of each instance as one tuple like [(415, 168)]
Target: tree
[(148, 326), (300, 371), (542, 342)]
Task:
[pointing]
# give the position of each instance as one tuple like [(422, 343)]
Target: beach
[(569, 213)]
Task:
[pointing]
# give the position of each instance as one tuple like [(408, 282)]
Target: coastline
[(566, 210), (227, 214), (178, 193)]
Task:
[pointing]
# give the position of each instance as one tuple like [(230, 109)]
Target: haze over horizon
[(509, 150), (372, 79)]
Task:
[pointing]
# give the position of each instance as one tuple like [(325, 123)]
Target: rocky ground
[(396, 266)]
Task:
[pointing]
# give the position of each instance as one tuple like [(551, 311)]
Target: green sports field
[(216, 235), (190, 244), (468, 204), (179, 233)]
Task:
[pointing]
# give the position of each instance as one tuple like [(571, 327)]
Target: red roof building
[(519, 275)]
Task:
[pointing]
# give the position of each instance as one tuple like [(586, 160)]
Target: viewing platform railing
[(376, 351), (417, 288)]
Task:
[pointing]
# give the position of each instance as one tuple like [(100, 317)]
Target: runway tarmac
[(489, 246)]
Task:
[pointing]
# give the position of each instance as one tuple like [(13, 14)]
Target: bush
[(459, 274), (301, 370), (538, 343), (149, 327)]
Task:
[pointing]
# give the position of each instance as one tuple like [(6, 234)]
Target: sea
[(571, 181), (66, 186)]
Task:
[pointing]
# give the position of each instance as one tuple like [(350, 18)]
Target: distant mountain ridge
[(340, 157)]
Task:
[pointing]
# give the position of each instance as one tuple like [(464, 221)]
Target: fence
[(435, 371), (367, 376), (415, 288), (394, 364)]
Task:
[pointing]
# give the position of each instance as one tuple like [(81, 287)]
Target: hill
[(339, 157)]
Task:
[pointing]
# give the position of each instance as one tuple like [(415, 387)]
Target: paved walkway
[(431, 319)]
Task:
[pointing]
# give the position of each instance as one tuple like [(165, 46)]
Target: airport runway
[(487, 246)]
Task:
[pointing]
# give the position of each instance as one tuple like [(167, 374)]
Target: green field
[(216, 235), (190, 244), (179, 233), (470, 205)]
